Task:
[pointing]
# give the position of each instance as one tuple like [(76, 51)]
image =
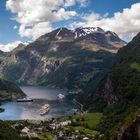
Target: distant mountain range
[(62, 58)]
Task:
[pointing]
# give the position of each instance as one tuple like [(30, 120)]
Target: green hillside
[(118, 94), (7, 132)]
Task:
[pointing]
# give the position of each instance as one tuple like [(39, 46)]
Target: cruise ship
[(61, 96), (44, 109), (25, 100)]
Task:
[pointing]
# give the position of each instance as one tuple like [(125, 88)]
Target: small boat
[(25, 100), (44, 109), (61, 96)]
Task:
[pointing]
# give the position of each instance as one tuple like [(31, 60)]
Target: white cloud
[(36, 30), (10, 46), (125, 23), (70, 3), (36, 17), (35, 14), (81, 3)]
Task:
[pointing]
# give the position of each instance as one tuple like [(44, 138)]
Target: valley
[(89, 71), (69, 70)]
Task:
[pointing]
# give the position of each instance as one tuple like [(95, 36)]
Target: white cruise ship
[(44, 109)]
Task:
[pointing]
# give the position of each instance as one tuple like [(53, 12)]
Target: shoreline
[(2, 110)]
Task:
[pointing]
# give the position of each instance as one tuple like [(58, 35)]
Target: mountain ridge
[(57, 59), (85, 33)]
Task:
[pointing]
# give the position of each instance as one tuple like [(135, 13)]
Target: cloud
[(36, 16), (81, 3), (10, 46), (36, 30), (125, 23), (70, 3)]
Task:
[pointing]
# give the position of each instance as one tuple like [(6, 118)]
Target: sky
[(26, 20)]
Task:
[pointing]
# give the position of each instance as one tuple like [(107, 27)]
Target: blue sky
[(78, 14)]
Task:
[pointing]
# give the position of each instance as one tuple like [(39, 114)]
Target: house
[(15, 125), (53, 126), (65, 123), (61, 134), (25, 131), (85, 138)]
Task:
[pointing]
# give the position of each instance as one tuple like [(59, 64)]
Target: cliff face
[(132, 132), (118, 95), (125, 78), (62, 58)]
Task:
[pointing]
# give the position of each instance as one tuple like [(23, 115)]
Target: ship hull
[(22, 100)]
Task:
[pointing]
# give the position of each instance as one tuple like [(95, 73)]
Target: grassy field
[(135, 66), (45, 136), (85, 124), (88, 120), (92, 119), (83, 130)]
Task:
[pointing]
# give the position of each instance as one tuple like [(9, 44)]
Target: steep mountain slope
[(118, 95), (9, 91), (63, 58), (2, 53)]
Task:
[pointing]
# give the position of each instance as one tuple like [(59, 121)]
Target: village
[(66, 128)]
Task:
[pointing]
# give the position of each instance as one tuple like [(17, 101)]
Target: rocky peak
[(64, 33), (110, 33), (86, 35), (83, 31), (112, 36)]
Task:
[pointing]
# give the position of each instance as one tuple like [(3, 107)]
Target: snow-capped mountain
[(61, 57), (86, 35), (83, 31)]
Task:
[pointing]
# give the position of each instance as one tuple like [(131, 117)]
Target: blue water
[(30, 110)]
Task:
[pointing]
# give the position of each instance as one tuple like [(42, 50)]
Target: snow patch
[(79, 32)]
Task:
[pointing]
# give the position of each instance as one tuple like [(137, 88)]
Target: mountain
[(108, 39), (85, 35), (9, 91), (2, 53), (63, 58), (118, 95)]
